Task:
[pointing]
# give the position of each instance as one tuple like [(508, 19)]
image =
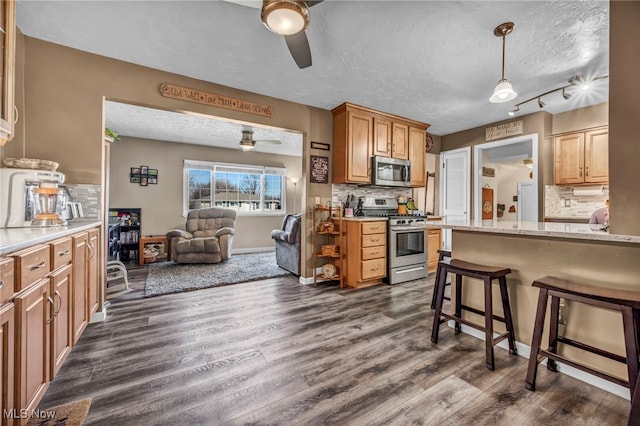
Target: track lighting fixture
[(504, 91), (575, 81)]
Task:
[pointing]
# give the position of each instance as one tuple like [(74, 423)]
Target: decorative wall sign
[(143, 176), (489, 172), (320, 145), (319, 169), (198, 96), (503, 130)]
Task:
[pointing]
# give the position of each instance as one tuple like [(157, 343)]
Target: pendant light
[(503, 91)]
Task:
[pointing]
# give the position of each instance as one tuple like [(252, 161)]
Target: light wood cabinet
[(34, 313), (417, 155), (327, 244), (582, 157), (434, 243), (7, 363), (80, 311), (93, 285), (366, 254), (7, 69), (352, 138), (6, 280), (359, 133)]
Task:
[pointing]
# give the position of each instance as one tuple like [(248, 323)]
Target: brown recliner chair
[(207, 238)]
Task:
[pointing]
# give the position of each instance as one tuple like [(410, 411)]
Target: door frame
[(477, 169)]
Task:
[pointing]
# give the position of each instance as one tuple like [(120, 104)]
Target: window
[(248, 189)]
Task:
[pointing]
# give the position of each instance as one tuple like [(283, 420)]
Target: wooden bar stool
[(625, 301), (441, 255), (487, 274)]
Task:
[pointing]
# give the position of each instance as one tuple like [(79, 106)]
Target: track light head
[(565, 94), (540, 103), (514, 111)]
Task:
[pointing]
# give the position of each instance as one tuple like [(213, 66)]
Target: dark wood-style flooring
[(278, 352)]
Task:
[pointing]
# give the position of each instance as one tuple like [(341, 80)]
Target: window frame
[(214, 167)]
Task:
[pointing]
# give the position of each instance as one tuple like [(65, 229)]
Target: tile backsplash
[(560, 201), (343, 190), (87, 195)]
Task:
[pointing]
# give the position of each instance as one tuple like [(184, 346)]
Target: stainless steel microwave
[(390, 172)]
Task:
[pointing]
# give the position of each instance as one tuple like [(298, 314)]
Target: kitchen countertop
[(537, 229), (365, 218), (13, 239)]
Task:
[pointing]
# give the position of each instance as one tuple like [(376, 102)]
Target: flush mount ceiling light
[(504, 91), (576, 81), (285, 17)]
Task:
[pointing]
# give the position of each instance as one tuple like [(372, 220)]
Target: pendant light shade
[(504, 91)]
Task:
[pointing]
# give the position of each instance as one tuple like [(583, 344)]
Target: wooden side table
[(151, 239)]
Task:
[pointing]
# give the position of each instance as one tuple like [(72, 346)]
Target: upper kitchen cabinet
[(417, 151), (352, 141), (359, 133), (582, 157), (7, 67)]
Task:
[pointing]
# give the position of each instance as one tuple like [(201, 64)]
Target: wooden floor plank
[(278, 352)]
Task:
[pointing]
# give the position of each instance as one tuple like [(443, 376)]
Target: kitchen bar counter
[(537, 229), (577, 252), (13, 239)]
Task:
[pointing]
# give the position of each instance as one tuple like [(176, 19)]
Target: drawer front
[(375, 252), (6, 280), (61, 252), (374, 228), (374, 240), (31, 265), (376, 268)]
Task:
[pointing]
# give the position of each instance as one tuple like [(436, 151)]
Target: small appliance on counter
[(31, 198)]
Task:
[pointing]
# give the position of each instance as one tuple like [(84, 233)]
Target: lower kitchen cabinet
[(7, 360), (434, 243), (34, 309), (61, 329), (93, 285), (80, 310), (366, 255)]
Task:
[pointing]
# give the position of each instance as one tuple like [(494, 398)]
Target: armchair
[(207, 238), (287, 242)]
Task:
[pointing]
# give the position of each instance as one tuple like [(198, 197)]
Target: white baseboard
[(252, 250), (99, 316), (525, 351)]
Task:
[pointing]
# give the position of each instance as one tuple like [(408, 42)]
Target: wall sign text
[(504, 130)]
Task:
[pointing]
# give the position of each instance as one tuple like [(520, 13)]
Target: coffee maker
[(31, 198)]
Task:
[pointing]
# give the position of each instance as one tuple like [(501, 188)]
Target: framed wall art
[(143, 176)]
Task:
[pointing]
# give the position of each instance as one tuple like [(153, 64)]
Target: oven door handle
[(408, 228)]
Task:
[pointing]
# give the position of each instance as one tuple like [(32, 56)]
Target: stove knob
[(410, 221), (401, 221)]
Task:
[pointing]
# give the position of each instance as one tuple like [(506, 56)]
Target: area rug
[(71, 414), (170, 277)]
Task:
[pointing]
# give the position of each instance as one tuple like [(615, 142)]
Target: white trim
[(525, 351), (446, 233), (477, 171)]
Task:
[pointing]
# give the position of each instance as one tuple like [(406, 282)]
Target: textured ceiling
[(432, 61)]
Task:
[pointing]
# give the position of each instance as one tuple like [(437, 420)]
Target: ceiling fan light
[(285, 17), (503, 92)]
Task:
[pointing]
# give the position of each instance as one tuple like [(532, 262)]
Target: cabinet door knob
[(586, 171), (64, 253), (57, 293), (1, 284)]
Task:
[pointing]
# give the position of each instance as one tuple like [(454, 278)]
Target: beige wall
[(624, 112), (539, 122), (162, 203), (61, 118), (580, 119)]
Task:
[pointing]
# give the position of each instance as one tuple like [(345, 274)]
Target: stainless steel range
[(406, 244)]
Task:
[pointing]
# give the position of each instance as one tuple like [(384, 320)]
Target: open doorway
[(506, 183)]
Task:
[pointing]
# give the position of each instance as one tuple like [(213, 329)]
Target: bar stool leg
[(631, 342), (553, 332), (541, 311), (434, 296), (439, 299), (488, 324), (458, 303), (508, 319)]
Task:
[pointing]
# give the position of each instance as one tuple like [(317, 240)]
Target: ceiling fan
[(290, 18), (247, 142)]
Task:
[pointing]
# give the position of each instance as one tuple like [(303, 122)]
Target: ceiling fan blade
[(267, 142), (311, 3), (299, 47)]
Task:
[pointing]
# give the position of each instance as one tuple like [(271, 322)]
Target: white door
[(527, 202), (454, 188)]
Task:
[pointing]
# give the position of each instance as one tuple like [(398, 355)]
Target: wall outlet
[(567, 202)]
